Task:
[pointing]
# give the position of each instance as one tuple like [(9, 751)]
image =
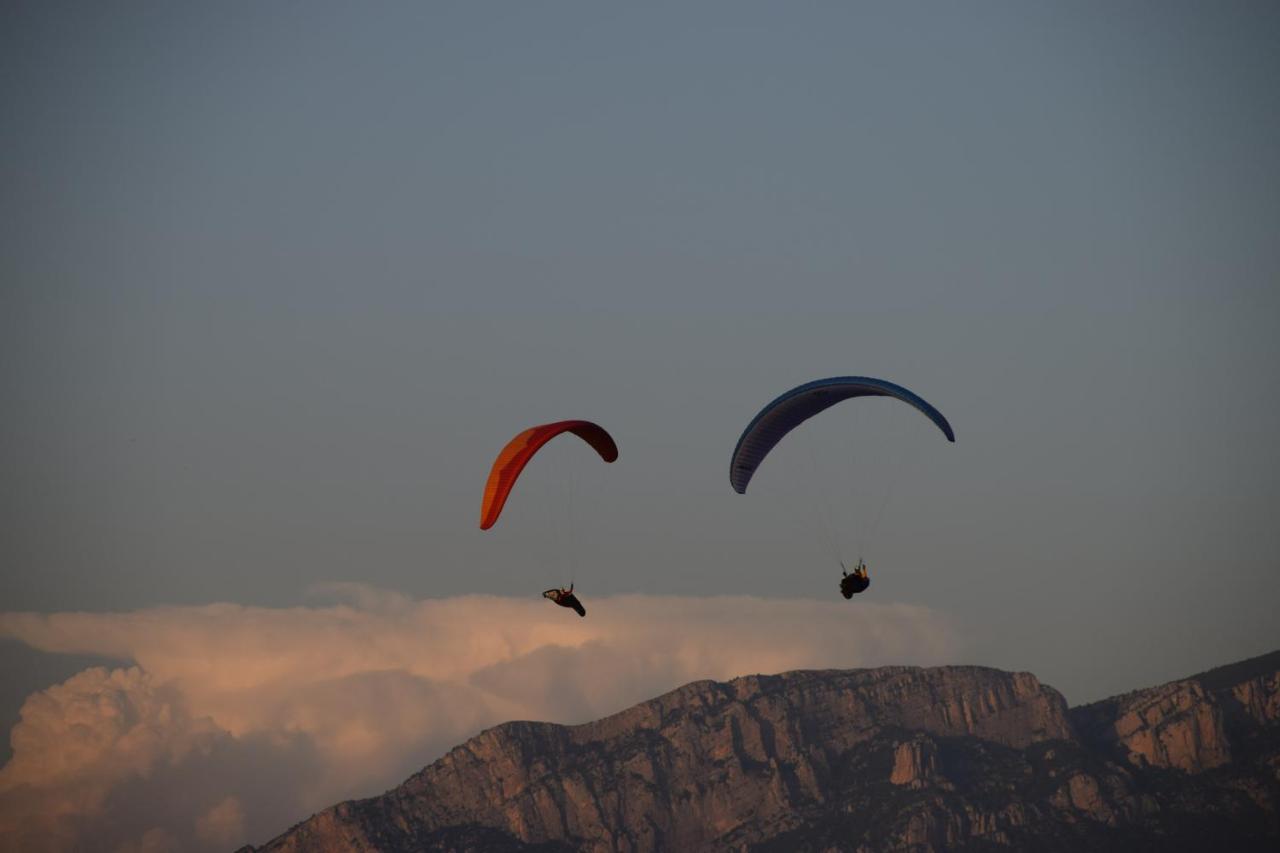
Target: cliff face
[(1174, 725), (1191, 724), (892, 758)]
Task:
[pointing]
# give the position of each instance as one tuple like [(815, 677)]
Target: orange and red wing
[(519, 450)]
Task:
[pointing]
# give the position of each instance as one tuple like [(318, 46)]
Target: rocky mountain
[(898, 758)]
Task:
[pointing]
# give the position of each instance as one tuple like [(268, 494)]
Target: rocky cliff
[(886, 759)]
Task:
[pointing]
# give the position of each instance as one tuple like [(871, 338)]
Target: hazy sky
[(278, 281)]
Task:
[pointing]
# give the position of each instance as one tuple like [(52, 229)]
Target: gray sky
[(280, 279)]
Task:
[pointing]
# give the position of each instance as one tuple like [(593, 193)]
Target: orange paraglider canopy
[(519, 450)]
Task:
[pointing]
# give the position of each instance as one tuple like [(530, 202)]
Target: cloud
[(222, 825), (235, 722)]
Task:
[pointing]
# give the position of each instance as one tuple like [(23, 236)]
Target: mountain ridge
[(960, 757)]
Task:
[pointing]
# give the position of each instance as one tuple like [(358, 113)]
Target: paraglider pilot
[(856, 582), (566, 598)]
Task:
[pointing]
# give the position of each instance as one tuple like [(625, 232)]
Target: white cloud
[(237, 721)]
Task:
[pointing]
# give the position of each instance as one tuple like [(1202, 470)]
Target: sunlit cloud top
[(233, 722)]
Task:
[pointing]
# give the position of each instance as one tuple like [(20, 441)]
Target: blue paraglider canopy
[(799, 404)]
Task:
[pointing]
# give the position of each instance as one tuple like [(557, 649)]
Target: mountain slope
[(890, 758)]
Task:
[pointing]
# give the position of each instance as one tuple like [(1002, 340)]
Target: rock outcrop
[(1183, 724), (915, 764), (896, 758), (1174, 725)]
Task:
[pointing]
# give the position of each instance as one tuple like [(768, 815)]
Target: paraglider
[(511, 461), (566, 598), (772, 423), (852, 584)]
